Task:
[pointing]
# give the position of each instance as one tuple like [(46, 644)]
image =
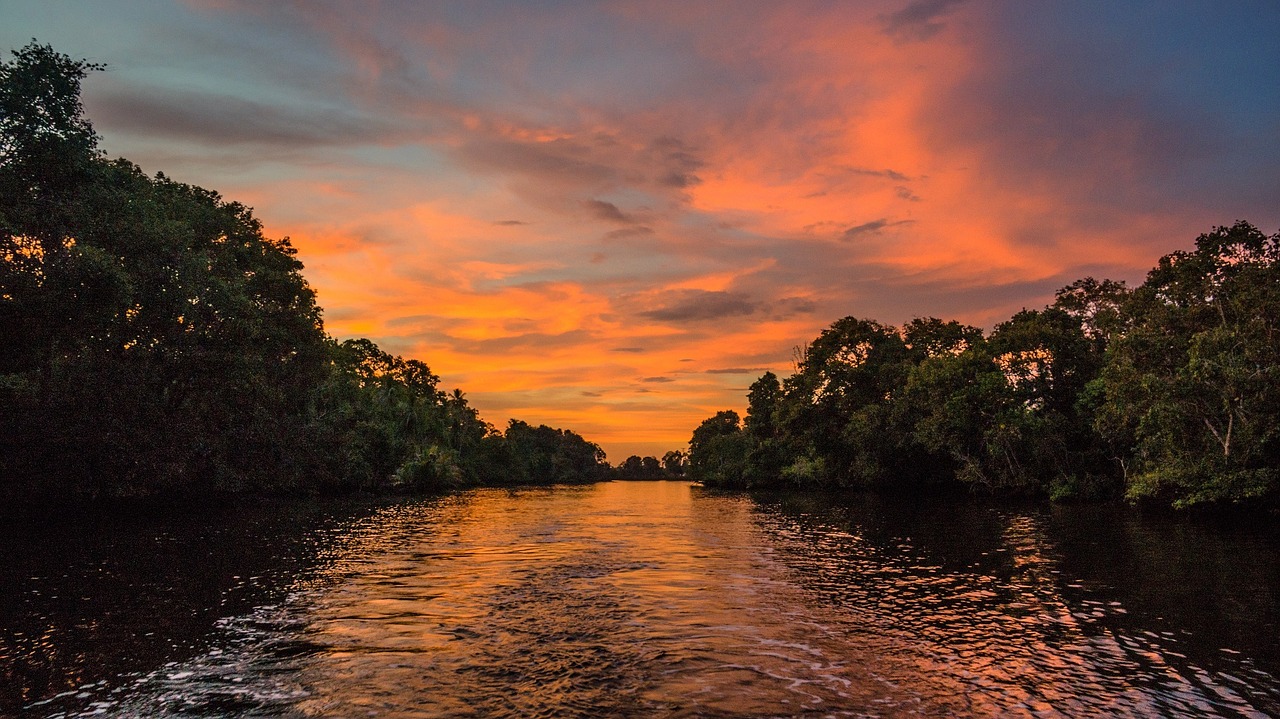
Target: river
[(639, 599)]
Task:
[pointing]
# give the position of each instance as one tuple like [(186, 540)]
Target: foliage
[(675, 462), (156, 341), (1191, 387), (717, 451), (637, 467), (545, 454), (1168, 392)]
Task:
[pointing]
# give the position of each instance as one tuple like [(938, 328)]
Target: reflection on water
[(108, 591), (661, 599), (1028, 612)]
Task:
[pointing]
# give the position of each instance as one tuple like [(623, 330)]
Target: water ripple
[(662, 600)]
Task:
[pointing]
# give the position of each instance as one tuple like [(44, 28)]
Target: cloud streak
[(919, 19), (871, 228), (608, 212), (702, 306)]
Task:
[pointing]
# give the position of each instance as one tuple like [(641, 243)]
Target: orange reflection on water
[(613, 599), (658, 599)]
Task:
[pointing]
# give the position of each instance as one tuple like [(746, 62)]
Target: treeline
[(152, 340), (671, 466), (1169, 392)]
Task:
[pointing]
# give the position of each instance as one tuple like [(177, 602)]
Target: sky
[(614, 216)]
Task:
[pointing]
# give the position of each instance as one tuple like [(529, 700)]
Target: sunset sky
[(614, 216)]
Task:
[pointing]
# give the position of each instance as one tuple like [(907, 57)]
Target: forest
[(1167, 393), (157, 343)]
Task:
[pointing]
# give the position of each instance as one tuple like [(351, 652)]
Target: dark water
[(647, 599)]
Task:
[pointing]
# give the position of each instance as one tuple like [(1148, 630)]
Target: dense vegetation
[(671, 466), (1169, 393), (154, 341)]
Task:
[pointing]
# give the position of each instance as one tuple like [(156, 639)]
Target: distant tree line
[(671, 466), (152, 340), (1169, 392)]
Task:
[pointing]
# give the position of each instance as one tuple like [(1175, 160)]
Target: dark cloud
[(679, 180), (608, 212), (891, 174), (896, 299), (222, 120), (679, 162), (658, 379), (919, 20), (561, 161), (628, 232), (822, 225), (509, 223), (586, 393), (871, 227), (627, 349), (1155, 128), (701, 305), (526, 342), (584, 165), (792, 306), (736, 370), (906, 193)]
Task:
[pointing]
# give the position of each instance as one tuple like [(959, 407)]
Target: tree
[(48, 149), (836, 406), (674, 463), (1191, 386), (158, 341), (766, 458), (1007, 409), (545, 454), (951, 405), (763, 400), (928, 337), (717, 451), (651, 467), (1097, 306), (48, 152), (632, 467)]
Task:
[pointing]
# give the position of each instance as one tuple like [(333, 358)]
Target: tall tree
[(837, 404), (674, 463), (718, 451), (766, 458), (1192, 384)]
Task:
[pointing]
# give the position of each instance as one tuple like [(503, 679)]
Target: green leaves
[(718, 451), (47, 147), (1170, 392), (546, 454), (1193, 384)]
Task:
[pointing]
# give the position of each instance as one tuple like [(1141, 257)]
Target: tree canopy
[(1167, 393)]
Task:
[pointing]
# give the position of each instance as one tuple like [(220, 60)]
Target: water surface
[(658, 599)]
